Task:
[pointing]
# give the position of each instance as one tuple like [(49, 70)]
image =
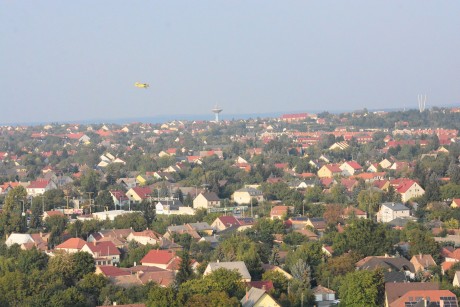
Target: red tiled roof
[(266, 285), (103, 248), (72, 243), (432, 295), (354, 165), (229, 220), (110, 271), (142, 192), (158, 257), (38, 184)]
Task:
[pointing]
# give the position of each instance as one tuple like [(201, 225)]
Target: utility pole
[(67, 198), (89, 196)]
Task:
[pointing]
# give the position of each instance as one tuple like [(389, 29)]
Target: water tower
[(216, 111)]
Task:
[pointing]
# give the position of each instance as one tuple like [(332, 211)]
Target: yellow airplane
[(141, 85)]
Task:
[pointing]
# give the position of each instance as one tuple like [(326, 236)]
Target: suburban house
[(256, 297), (138, 194), (225, 222), (350, 168), (40, 186), (28, 241), (426, 298), (394, 291), (103, 252), (168, 206), (246, 195), (456, 281), (119, 199), (422, 262), (407, 188), (323, 294), (351, 211), (317, 223), (72, 245), (206, 200), (239, 266), (127, 183), (48, 214), (163, 259), (279, 212), (145, 237), (455, 203), (391, 211), (329, 171)]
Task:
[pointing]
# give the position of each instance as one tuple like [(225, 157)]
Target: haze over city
[(70, 61)]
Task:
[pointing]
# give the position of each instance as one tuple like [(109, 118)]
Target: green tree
[(364, 237), (280, 282), (83, 263), (185, 270), (301, 272), (362, 288), (89, 182), (104, 200), (212, 299)]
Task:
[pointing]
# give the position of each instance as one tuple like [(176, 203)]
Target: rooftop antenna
[(216, 111), (421, 102)]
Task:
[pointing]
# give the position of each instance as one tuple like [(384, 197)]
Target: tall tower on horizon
[(216, 111)]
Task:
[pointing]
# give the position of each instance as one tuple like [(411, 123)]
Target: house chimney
[(114, 303), (135, 263)]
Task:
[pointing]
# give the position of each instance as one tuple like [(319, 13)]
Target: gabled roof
[(355, 165), (393, 291), (103, 248), (72, 243), (448, 298), (38, 184), (142, 192), (251, 297), (211, 196), (229, 220), (110, 271), (240, 266), (158, 257)]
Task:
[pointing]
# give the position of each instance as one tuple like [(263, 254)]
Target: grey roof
[(211, 196), (240, 266), (251, 297), (394, 264), (200, 226), (395, 206), (251, 191)]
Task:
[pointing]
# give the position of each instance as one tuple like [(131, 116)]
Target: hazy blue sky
[(76, 60)]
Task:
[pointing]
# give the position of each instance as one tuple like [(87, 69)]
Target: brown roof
[(428, 295), (112, 271), (393, 291)]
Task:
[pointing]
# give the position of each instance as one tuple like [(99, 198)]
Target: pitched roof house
[(278, 212), (72, 245), (224, 222), (329, 171), (144, 237), (426, 298), (394, 291), (239, 266), (422, 262), (103, 252), (138, 194), (350, 168), (164, 259), (258, 298), (390, 211), (40, 186), (206, 200)]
